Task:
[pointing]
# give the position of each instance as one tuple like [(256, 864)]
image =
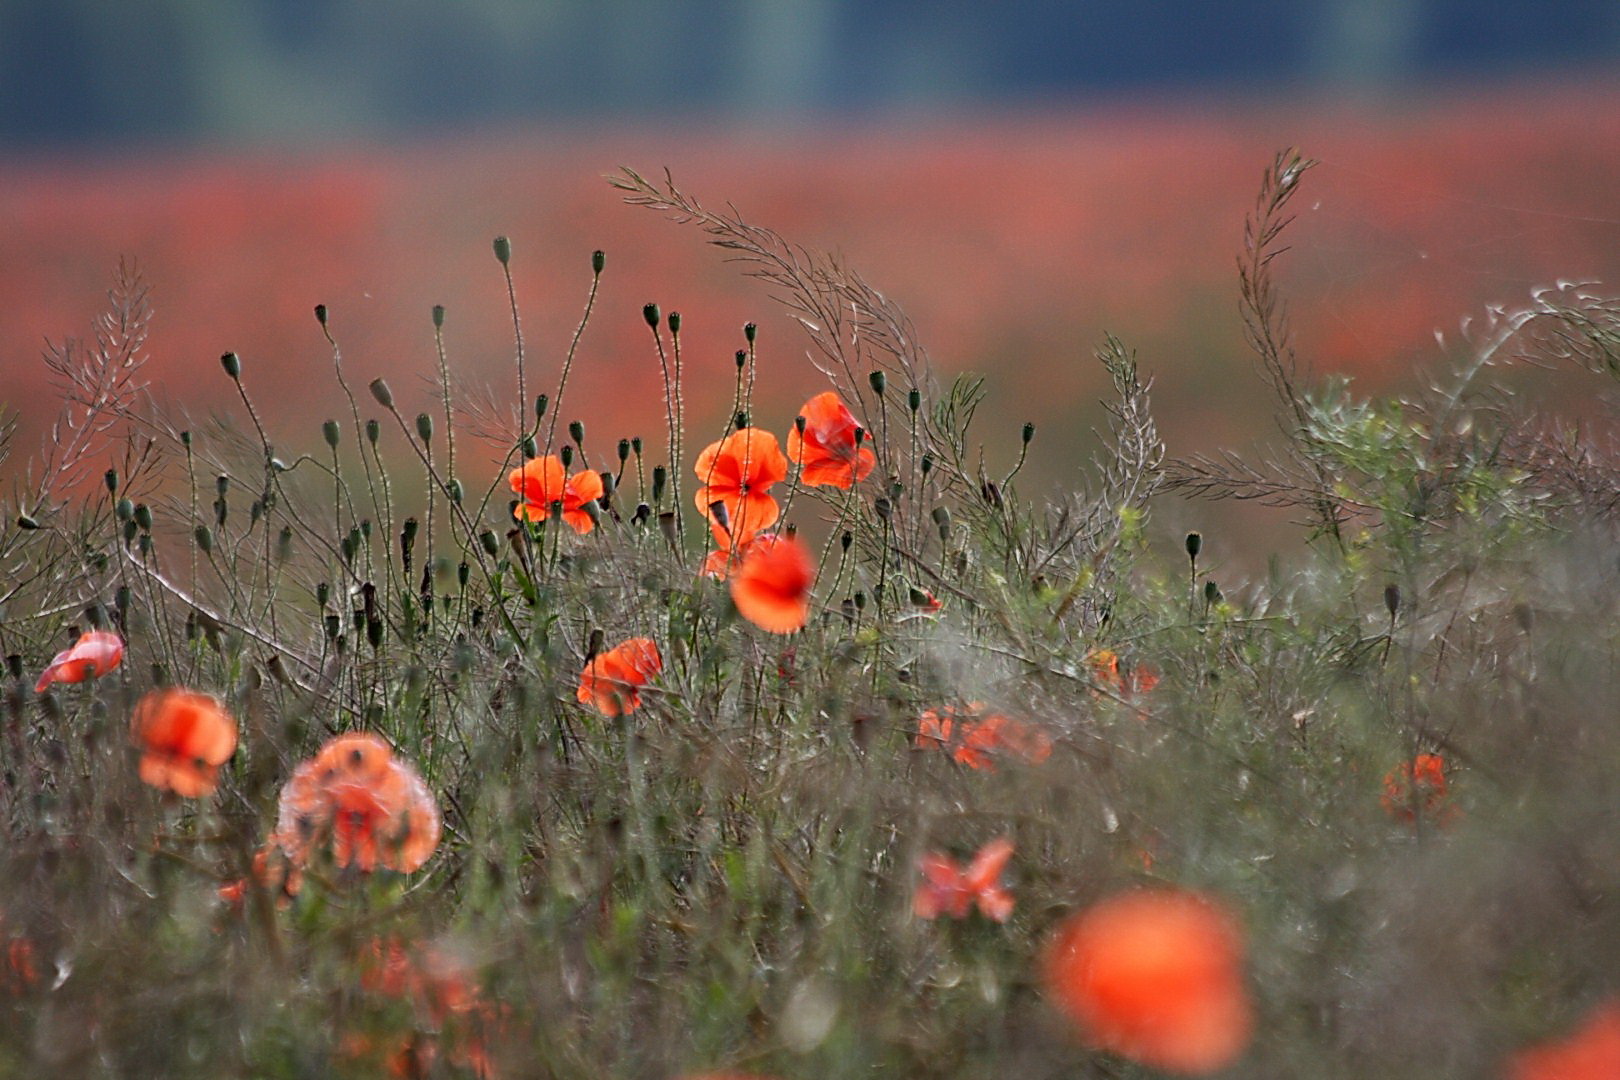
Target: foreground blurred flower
[(443, 995), (975, 737), (829, 453), (1418, 787), (372, 807), (94, 654), (950, 889), (1590, 1052), (1156, 976), (738, 472), (184, 737), (1106, 673), (771, 586), (612, 680), (543, 481)]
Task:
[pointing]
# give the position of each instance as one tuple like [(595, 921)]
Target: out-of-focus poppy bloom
[(738, 472), (542, 481), (729, 550), (1418, 787), (94, 654), (611, 682), (950, 889), (828, 453), (444, 996), (975, 736), (1107, 673), (1156, 976), (370, 806), (771, 586), (184, 737), (1590, 1052), (18, 970)]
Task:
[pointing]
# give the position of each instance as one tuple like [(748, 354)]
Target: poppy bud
[(143, 516), (424, 427), (333, 625), (221, 512), (463, 572), (365, 530), (205, 538), (373, 430), (721, 516), (347, 547), (185, 438), (674, 322), (323, 592), (1195, 544), (660, 478), (608, 484), (666, 525), (883, 507), (799, 423), (624, 450), (991, 493), (592, 508), (14, 665), (927, 462), (649, 312), (740, 421), (742, 359), (942, 521), (860, 600), (503, 250), (847, 539), (750, 331), (598, 260), (576, 431), (329, 431), (643, 512), (1029, 433), (489, 542), (566, 453), (914, 399), (554, 511), (374, 631), (635, 444), (407, 538), (145, 544), (455, 490), (111, 477), (320, 314), (380, 391), (438, 316), (860, 434), (232, 365), (255, 512), (1392, 598), (222, 485), (283, 543), (124, 510), (129, 532), (878, 381), (541, 401), (1212, 593), (529, 448)]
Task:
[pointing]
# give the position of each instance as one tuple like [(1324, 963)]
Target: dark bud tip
[(598, 260), (232, 364), (503, 250), (320, 314), (650, 313), (1392, 598), (438, 316), (1195, 544)]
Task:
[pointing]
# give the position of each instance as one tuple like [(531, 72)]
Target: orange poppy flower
[(771, 586), (1418, 787), (18, 970), (1156, 976), (94, 654), (612, 680), (738, 472), (1591, 1052), (542, 481), (728, 552), (1106, 672), (184, 737), (950, 889), (370, 806), (976, 737), (828, 453)]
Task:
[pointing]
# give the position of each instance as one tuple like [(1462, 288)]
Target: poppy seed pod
[(454, 488), (323, 592), (674, 322), (490, 543), (1392, 598), (649, 311), (205, 538), (914, 399), (879, 381), (320, 314), (750, 331), (541, 402), (143, 516), (1195, 544), (330, 432), (660, 478), (503, 250), (380, 391), (438, 316), (111, 478), (598, 260), (576, 431), (232, 364), (424, 427), (124, 510), (566, 455), (1029, 433), (529, 448), (742, 359), (373, 431), (624, 450)]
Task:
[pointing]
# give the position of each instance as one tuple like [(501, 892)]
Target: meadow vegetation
[(469, 742)]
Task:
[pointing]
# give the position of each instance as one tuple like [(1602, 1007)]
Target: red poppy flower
[(370, 806), (1418, 787), (771, 586), (18, 970), (950, 889), (1156, 976), (976, 737), (94, 654), (738, 472), (540, 482), (184, 737), (828, 453), (1590, 1052), (612, 680), (1106, 672)]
